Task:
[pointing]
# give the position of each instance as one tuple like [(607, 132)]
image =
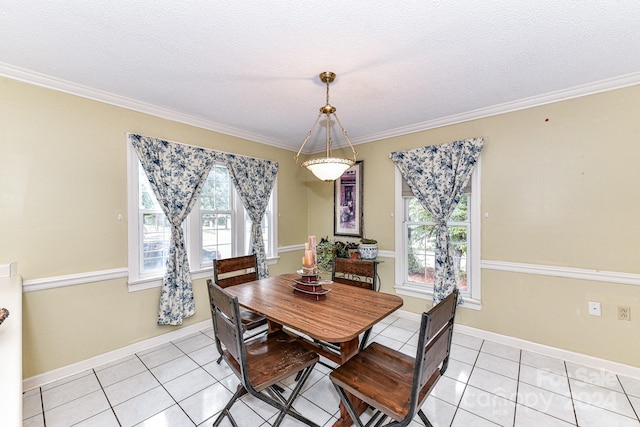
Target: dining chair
[(356, 272), (259, 363), (234, 271), (396, 384)]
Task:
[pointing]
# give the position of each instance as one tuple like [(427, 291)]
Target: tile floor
[(486, 384)]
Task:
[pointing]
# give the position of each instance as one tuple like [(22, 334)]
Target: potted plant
[(352, 250), (368, 248)]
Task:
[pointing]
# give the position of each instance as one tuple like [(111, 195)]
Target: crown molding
[(42, 80), (38, 79), (508, 107)]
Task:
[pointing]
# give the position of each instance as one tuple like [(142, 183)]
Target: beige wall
[(561, 192), (62, 186), (560, 185)]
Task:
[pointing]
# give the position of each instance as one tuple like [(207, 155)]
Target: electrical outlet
[(594, 308), (624, 312)]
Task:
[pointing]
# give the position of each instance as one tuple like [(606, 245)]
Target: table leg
[(273, 326), (347, 351)]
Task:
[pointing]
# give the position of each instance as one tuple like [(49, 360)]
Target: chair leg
[(285, 405), (240, 391), (347, 404), (424, 419), (365, 338), (294, 394)]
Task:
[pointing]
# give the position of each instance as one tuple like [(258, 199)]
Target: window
[(415, 230), (217, 227)]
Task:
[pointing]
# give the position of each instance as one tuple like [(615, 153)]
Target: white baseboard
[(101, 359), (566, 355), (570, 356)]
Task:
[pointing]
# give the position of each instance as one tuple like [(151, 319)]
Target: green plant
[(343, 248), (366, 241), (325, 251)]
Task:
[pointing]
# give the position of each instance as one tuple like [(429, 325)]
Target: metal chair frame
[(430, 363), (245, 269), (228, 329), (356, 272)]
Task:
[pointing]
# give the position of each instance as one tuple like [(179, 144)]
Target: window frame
[(193, 233), (472, 299)]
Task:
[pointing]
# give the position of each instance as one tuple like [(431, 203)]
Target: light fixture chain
[(327, 103)]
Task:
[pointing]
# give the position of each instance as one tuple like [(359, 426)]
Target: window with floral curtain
[(177, 173), (437, 175)]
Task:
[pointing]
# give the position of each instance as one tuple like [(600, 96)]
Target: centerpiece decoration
[(309, 285), (309, 263)]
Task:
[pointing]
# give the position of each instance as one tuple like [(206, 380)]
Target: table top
[(342, 316)]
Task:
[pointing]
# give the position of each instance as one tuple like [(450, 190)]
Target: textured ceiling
[(251, 68)]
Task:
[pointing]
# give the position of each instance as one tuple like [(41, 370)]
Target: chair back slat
[(226, 320), (434, 342), (355, 272), (440, 315), (436, 352), (234, 271)]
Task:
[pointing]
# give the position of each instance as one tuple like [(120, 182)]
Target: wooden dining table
[(346, 312)]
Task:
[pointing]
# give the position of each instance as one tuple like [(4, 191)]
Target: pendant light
[(327, 168)]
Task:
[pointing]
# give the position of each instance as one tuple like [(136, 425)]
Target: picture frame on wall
[(347, 202)]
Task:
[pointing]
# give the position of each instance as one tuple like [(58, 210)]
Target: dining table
[(340, 317)]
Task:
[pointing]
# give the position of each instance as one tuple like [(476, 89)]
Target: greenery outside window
[(416, 230), (217, 227)]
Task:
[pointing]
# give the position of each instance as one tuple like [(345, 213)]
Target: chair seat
[(272, 358), (251, 320), (382, 377)]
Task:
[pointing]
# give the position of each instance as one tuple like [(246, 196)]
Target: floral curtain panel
[(177, 173), (437, 174), (254, 179)]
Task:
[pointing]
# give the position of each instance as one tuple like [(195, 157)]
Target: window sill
[(425, 294), (156, 281)]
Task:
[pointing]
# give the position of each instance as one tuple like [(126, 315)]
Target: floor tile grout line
[(44, 419), (573, 400), (471, 373), (466, 384), (107, 397), (199, 366), (628, 398), (90, 372), (167, 391), (633, 414), (515, 408), (573, 404)]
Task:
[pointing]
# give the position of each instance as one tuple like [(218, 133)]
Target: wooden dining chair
[(234, 271), (259, 363), (396, 384), (356, 272)]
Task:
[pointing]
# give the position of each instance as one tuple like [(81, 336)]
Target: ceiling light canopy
[(327, 168)]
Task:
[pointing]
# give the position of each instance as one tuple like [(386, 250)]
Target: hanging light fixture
[(327, 168)]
